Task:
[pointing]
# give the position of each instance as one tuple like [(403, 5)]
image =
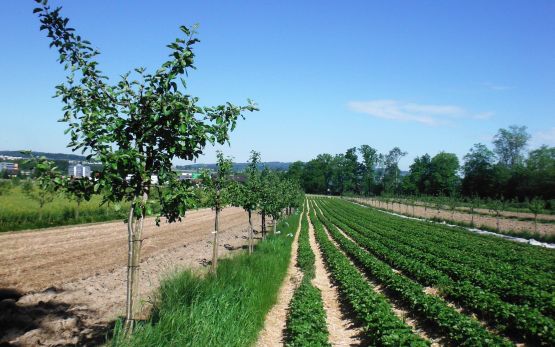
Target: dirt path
[(67, 285), (505, 224), (274, 325), (342, 331)]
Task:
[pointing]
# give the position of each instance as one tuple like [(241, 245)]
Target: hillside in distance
[(273, 165), (51, 156)]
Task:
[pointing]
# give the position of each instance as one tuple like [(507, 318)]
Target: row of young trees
[(265, 192), (136, 127), (506, 170)]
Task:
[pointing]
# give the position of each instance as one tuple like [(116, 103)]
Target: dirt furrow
[(342, 330), (49, 261)]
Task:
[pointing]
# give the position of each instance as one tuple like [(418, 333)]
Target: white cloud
[(546, 137), (432, 115), (496, 87)]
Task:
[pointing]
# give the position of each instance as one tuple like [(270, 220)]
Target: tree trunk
[(274, 221), (134, 239), (77, 210), (263, 226), (497, 221), (535, 223), (472, 217), (250, 233), (214, 264)]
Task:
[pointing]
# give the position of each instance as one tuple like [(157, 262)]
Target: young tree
[(135, 128), (249, 192), (496, 206), (452, 202), (48, 180), (79, 190), (219, 188), (473, 202), (278, 189), (268, 195), (536, 206)]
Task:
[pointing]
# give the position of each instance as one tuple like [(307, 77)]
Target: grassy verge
[(223, 310), (306, 319)]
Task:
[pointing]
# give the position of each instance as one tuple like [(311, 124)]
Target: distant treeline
[(506, 170)]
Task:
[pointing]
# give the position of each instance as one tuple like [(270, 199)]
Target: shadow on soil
[(46, 323)]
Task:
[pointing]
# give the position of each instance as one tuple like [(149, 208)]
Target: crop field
[(519, 224), (406, 282), (18, 212), (184, 208)]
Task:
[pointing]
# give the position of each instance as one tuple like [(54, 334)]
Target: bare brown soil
[(458, 216), (342, 330), (66, 286), (274, 325)]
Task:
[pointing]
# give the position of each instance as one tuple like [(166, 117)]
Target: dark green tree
[(392, 173), (370, 158), (478, 171), (444, 178), (510, 145)]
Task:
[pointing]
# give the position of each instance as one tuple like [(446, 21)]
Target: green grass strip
[(224, 310)]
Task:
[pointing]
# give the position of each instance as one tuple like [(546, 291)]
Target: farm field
[(406, 282), (328, 178), (510, 226), (18, 212), (69, 283)]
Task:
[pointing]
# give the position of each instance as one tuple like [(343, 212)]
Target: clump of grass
[(223, 309)]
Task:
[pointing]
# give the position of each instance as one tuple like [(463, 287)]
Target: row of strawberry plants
[(520, 321), (457, 328), (508, 289), (488, 246), (381, 325), (306, 317)]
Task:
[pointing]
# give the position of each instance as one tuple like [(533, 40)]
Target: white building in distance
[(79, 170)]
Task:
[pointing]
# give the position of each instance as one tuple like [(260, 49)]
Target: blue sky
[(422, 75)]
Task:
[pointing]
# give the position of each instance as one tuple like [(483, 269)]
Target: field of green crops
[(463, 289), (18, 212)]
